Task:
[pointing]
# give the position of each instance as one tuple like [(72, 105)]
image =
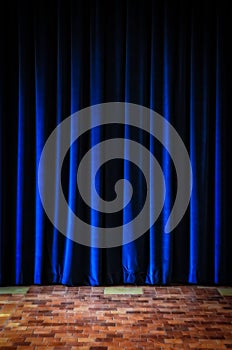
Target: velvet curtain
[(60, 57)]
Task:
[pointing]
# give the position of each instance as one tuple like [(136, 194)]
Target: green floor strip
[(13, 290), (123, 290), (225, 292)]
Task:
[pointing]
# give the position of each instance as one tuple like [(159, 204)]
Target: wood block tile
[(71, 318)]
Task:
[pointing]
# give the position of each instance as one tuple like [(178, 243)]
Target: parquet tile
[(73, 318)]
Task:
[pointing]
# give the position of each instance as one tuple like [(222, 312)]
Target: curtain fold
[(58, 58)]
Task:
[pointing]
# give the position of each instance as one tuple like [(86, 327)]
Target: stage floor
[(121, 317)]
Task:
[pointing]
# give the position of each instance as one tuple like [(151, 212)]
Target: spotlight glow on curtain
[(59, 59)]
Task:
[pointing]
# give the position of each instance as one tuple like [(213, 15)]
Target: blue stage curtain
[(60, 57)]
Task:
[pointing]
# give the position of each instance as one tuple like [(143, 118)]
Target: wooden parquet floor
[(73, 318)]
